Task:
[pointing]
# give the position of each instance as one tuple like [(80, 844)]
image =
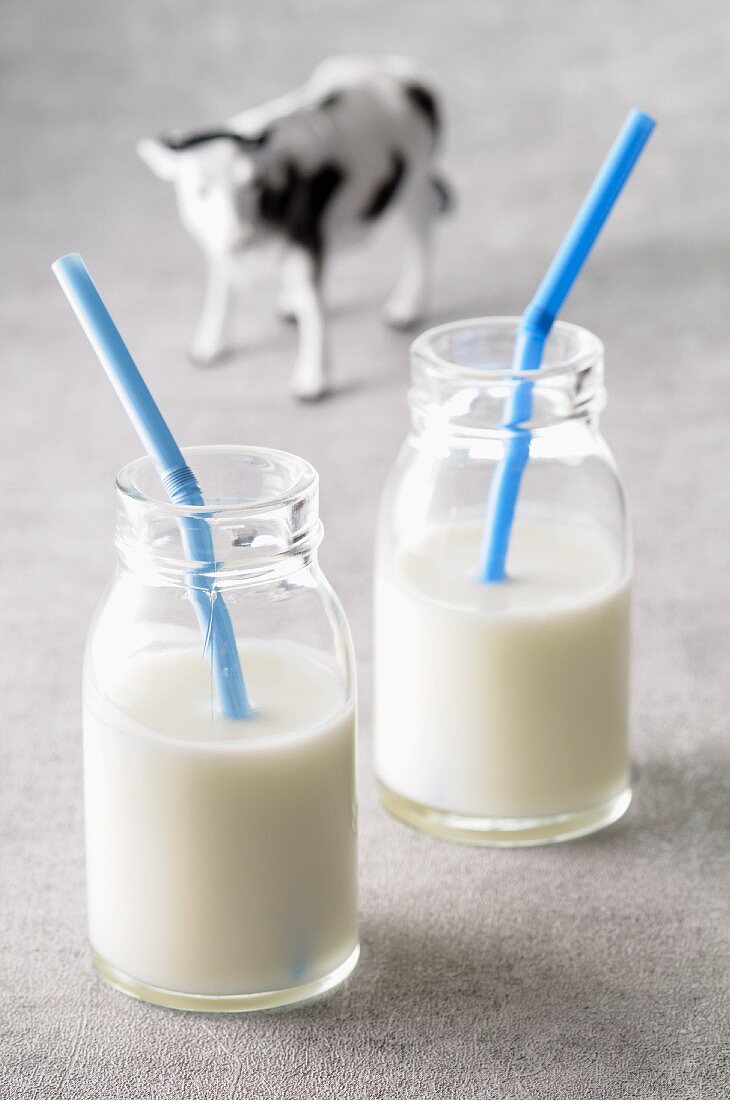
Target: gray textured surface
[(595, 969)]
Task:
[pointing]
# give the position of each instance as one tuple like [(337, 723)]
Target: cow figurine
[(307, 173)]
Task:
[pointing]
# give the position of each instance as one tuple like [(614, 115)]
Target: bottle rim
[(588, 353), (261, 507), (304, 482)]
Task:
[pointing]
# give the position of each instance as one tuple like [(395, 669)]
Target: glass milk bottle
[(501, 708), (221, 857)]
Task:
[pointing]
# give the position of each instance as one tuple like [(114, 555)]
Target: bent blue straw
[(176, 476), (535, 326)]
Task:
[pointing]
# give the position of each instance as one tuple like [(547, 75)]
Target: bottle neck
[(466, 387), (261, 509)]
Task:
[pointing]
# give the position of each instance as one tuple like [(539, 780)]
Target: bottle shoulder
[(571, 475)]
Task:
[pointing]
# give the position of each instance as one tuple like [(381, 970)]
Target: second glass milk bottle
[(221, 859), (501, 708)]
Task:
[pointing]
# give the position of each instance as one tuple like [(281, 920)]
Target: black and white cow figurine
[(308, 172)]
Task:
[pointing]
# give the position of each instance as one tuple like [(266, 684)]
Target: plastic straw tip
[(642, 121), (72, 259)]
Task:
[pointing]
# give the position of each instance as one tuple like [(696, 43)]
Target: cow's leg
[(407, 303), (209, 340), (302, 291)]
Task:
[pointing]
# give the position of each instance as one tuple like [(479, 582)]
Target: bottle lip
[(588, 351), (304, 482)]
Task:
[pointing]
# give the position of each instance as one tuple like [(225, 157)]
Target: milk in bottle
[(501, 710), (221, 853)]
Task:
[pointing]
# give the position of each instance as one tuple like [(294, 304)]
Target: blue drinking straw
[(176, 476), (537, 320)]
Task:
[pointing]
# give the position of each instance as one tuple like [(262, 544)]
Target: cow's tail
[(444, 194)]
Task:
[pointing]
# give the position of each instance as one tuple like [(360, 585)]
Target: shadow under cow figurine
[(308, 172)]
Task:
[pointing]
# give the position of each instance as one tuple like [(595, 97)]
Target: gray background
[(595, 969)]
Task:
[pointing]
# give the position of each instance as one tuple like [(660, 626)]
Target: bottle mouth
[(261, 508), (464, 380), (234, 480), (480, 350)]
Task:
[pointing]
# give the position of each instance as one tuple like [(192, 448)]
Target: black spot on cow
[(178, 142), (425, 102), (444, 194), (331, 100), (297, 206), (255, 141), (385, 190)]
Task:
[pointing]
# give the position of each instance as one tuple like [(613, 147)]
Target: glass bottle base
[(236, 1002), (504, 832)]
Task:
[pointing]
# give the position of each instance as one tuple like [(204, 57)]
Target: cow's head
[(216, 183)]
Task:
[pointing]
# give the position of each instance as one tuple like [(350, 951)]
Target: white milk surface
[(503, 700), (222, 866)]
